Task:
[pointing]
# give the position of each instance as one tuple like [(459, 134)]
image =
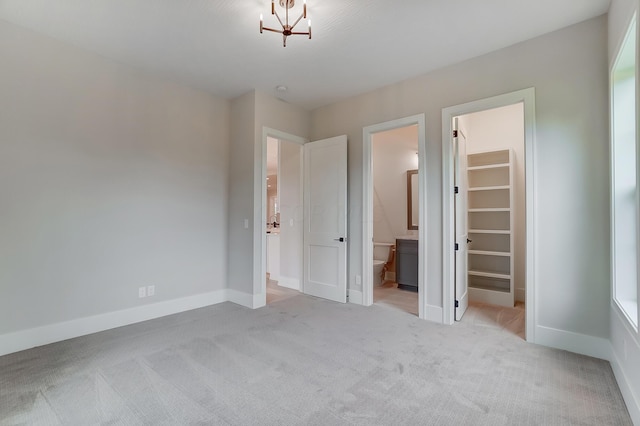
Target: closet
[(490, 206)]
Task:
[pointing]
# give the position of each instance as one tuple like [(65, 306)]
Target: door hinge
[(456, 247), (455, 189), (457, 304), (455, 133)]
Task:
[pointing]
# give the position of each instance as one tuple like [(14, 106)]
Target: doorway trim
[(527, 97), (367, 205), (260, 211)]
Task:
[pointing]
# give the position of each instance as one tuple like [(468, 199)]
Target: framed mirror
[(413, 199)]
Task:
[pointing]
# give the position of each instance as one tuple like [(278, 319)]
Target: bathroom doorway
[(394, 231), (395, 218), (488, 211), (283, 219)]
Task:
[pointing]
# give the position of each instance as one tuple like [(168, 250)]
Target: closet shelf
[(490, 253), (490, 292), (490, 275), (489, 188), (489, 166), (493, 209), (489, 231), (490, 207)]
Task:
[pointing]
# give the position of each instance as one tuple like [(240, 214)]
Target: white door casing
[(460, 205), (431, 312), (325, 218), (527, 97)]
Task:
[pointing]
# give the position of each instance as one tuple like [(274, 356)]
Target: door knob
[(341, 239)]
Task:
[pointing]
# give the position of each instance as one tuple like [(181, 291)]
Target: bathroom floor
[(389, 294)]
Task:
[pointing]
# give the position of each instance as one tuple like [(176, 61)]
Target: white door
[(461, 233), (325, 219)]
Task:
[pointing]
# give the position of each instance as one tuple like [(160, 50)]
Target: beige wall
[(250, 113), (110, 180), (272, 197), (241, 165), (568, 69), (291, 214)]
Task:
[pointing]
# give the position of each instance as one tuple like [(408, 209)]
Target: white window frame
[(628, 306)]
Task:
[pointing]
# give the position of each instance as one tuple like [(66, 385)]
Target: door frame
[(367, 205), (260, 212), (527, 97)]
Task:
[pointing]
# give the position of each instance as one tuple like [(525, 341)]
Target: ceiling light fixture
[(287, 29)]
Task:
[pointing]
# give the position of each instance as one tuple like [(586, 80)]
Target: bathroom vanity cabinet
[(407, 264)]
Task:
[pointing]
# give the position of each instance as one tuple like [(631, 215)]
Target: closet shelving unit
[(490, 204)]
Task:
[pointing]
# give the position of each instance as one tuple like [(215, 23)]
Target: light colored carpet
[(305, 361)]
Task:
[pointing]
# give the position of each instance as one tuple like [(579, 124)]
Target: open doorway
[(488, 208), (395, 218), (283, 219), (489, 204), (394, 229), (312, 221)]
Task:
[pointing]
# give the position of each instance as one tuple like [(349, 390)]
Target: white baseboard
[(30, 338), (631, 400), (625, 352), (288, 282), (251, 301), (355, 296), (433, 313), (521, 294), (596, 347)]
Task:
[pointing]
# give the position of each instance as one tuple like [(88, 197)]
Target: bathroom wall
[(394, 152), (502, 128)]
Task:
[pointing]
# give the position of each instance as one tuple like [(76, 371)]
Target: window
[(624, 178)]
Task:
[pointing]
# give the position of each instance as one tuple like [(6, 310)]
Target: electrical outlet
[(151, 290), (142, 292), (358, 280), (246, 224)]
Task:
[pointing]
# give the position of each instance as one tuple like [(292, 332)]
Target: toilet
[(381, 254)]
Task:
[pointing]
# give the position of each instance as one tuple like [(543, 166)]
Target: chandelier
[(287, 29)]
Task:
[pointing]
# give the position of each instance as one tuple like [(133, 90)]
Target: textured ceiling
[(357, 45)]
